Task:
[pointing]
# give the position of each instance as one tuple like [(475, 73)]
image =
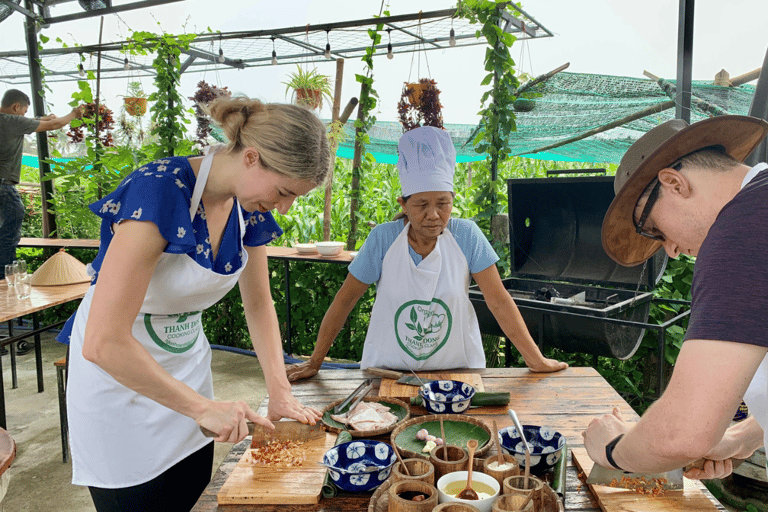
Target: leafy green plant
[(169, 116), (365, 120), (497, 115), (309, 87)]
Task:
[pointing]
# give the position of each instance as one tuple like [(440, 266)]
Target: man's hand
[(300, 371), (602, 431)]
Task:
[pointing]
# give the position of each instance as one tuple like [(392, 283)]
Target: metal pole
[(38, 108), (684, 60)]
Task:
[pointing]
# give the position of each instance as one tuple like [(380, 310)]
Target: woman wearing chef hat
[(423, 264)]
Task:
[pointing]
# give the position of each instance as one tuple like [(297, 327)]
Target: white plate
[(353, 254)]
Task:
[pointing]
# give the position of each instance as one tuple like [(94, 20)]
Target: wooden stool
[(61, 380)]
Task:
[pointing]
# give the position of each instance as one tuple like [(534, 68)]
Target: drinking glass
[(23, 286), (10, 275), (22, 266)]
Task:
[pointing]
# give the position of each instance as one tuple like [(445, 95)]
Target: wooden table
[(11, 308), (287, 255), (82, 243), (566, 401)]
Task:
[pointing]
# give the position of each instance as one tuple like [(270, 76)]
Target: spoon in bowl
[(468, 493), (519, 428)]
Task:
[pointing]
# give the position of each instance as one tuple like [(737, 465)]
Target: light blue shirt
[(366, 267)]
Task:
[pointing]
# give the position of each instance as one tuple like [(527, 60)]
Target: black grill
[(600, 307)]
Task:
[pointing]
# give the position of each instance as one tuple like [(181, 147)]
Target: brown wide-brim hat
[(657, 149)]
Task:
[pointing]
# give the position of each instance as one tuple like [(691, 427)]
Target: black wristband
[(609, 452)]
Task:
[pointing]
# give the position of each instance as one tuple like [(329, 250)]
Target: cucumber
[(480, 399)]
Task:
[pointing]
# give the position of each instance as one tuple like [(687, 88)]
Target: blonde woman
[(176, 236)]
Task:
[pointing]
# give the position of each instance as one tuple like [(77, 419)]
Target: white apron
[(422, 318), (118, 437), (756, 396)]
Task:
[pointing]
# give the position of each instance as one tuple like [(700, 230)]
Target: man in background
[(13, 127)]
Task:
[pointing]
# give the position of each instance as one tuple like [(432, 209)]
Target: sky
[(611, 37)]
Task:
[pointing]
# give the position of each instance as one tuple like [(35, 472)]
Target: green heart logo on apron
[(174, 333), (422, 327)]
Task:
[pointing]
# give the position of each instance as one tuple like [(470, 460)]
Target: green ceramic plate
[(458, 433)]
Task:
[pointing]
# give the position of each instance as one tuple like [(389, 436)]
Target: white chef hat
[(427, 161)]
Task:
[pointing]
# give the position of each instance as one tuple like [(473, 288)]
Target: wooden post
[(334, 146)]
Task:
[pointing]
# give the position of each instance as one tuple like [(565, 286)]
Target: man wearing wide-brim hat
[(685, 188)]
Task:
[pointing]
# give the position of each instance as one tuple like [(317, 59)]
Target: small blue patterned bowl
[(356, 456), (446, 396), (546, 446)]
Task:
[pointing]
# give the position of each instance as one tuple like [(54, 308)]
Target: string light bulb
[(327, 44), (126, 65), (221, 56), (389, 45), (274, 53), (452, 38)]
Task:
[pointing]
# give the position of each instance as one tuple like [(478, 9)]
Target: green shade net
[(570, 105)]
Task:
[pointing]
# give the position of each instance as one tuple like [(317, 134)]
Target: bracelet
[(609, 452)]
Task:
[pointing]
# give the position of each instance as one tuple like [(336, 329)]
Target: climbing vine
[(365, 120), (497, 115), (168, 114)]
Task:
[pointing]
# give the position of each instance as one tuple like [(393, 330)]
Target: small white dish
[(459, 479), (306, 248), (353, 254), (329, 249)]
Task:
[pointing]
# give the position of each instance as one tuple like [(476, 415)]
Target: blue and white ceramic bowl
[(355, 456), (446, 396), (546, 446)]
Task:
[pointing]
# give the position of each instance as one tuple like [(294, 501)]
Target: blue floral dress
[(161, 192)]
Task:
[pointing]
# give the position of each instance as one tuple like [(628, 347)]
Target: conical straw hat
[(59, 269)]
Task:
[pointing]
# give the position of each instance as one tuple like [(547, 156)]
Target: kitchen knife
[(674, 479), (398, 377), (288, 430)]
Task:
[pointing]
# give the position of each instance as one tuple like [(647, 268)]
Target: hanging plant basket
[(523, 105), (136, 107), (413, 91), (312, 98), (419, 105)]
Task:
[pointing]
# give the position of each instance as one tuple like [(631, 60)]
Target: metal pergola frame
[(424, 31)]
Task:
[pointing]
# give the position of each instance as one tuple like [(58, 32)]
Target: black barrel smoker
[(571, 294)]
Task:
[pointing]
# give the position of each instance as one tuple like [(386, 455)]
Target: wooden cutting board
[(615, 499), (254, 485), (391, 388)]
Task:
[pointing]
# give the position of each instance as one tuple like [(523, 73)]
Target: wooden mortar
[(419, 469), (399, 504), (511, 503), (516, 485), (500, 475), (457, 460), (455, 507)]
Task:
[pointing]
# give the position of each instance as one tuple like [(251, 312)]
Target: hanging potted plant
[(135, 100), (424, 110), (309, 87)]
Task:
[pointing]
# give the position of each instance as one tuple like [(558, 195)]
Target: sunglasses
[(652, 197)]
